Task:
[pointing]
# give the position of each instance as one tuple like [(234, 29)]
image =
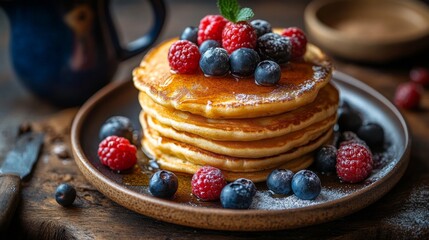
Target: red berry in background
[(238, 35), (207, 183), (354, 162), (420, 76), (211, 27), (298, 39), (184, 57), (117, 153), (408, 95)]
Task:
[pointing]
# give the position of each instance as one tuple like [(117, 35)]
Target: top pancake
[(229, 97)]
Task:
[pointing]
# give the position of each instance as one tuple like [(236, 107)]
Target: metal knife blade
[(18, 164), (21, 158)]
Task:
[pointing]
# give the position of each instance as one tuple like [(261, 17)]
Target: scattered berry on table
[(279, 181), (372, 134), (408, 95), (118, 126), (306, 185), (248, 184), (349, 121), (272, 46), (243, 62), (207, 183), (190, 34), (298, 40), (163, 184), (208, 44), (267, 73), (420, 76), (215, 62), (326, 159), (261, 27), (236, 195), (354, 162), (211, 27), (117, 153), (238, 35), (183, 57), (65, 194)]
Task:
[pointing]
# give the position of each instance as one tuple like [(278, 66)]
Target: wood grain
[(10, 186)]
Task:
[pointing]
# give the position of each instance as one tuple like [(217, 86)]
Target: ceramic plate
[(267, 212)]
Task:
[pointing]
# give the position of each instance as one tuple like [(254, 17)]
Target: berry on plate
[(408, 95), (279, 181), (306, 185), (236, 195), (298, 40), (261, 27), (267, 73), (420, 76), (349, 120), (190, 34), (274, 47), (207, 183), (208, 44), (119, 126), (372, 134), (354, 162), (326, 159), (248, 184), (215, 62), (117, 153), (65, 194), (350, 137), (243, 62), (163, 184), (211, 27), (183, 57)]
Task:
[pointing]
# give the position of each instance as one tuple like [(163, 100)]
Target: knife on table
[(17, 165)]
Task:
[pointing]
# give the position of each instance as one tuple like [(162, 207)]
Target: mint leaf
[(244, 14), (229, 9)]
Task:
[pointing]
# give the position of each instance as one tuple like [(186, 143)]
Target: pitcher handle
[(141, 44)]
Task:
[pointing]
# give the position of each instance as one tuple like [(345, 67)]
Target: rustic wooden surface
[(402, 214)]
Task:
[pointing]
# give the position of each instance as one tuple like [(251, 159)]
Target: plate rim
[(264, 219)]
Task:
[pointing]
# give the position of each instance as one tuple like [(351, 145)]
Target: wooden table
[(403, 213)]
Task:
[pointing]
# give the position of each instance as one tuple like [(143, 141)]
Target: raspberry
[(211, 27), (207, 183), (298, 40), (420, 76), (354, 162), (117, 153), (184, 56), (408, 95), (238, 35)]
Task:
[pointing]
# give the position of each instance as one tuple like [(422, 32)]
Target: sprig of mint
[(230, 10)]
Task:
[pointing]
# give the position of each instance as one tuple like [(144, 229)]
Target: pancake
[(229, 97), (250, 129), (159, 146), (247, 149)]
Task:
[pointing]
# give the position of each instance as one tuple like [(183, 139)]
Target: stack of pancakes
[(246, 130)]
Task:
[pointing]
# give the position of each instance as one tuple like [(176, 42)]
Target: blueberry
[(215, 62), (275, 47), (349, 121), (163, 184), (236, 195), (65, 194), (306, 185), (326, 159), (267, 73), (243, 62), (248, 184), (372, 134), (261, 27), (279, 181), (119, 126), (208, 44), (190, 34)]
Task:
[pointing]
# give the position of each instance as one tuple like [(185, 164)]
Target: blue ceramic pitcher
[(65, 50)]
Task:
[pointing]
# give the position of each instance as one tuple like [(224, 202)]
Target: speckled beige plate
[(267, 212)]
